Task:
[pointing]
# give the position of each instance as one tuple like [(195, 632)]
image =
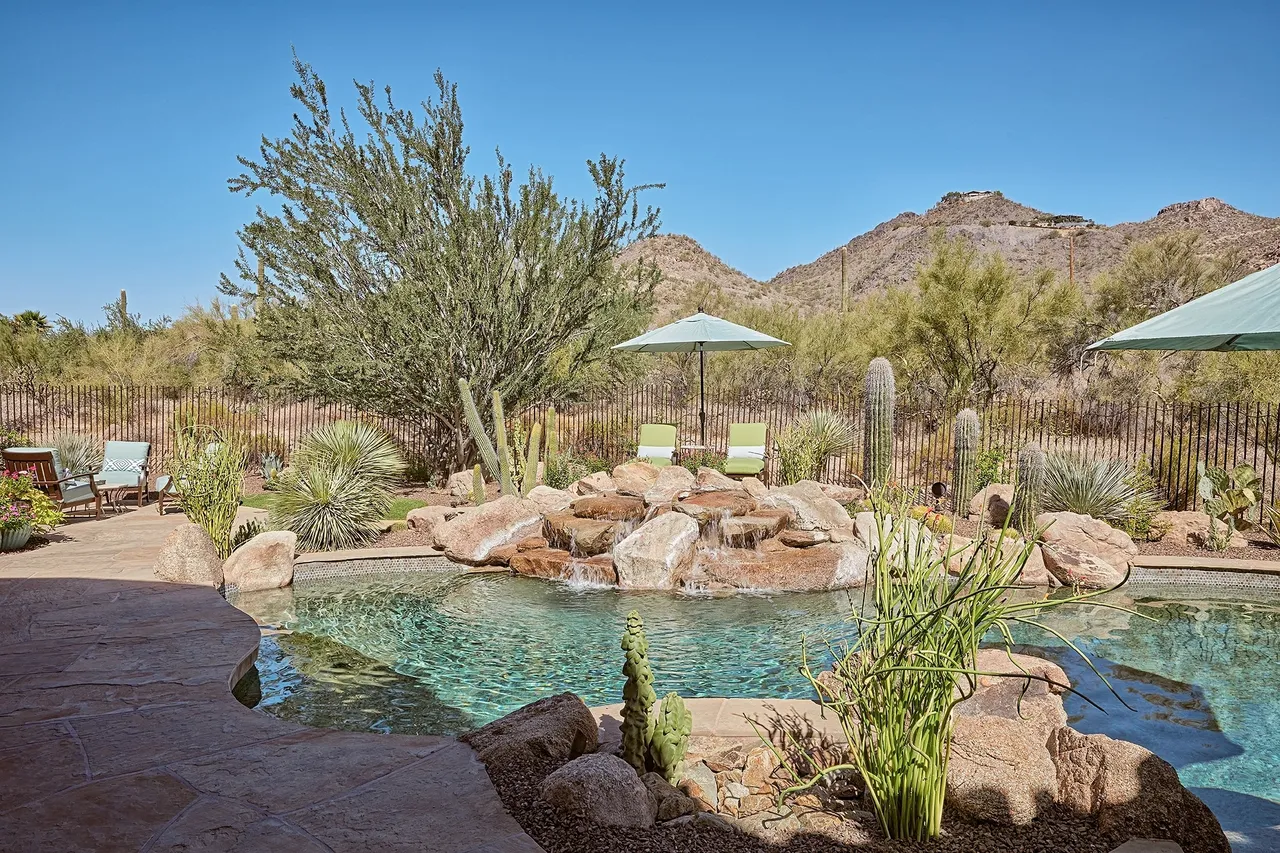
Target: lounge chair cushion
[(743, 465), (750, 452), (652, 453)]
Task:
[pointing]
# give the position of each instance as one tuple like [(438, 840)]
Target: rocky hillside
[(890, 253)]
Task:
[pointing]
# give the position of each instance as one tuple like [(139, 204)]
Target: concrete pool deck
[(118, 730)]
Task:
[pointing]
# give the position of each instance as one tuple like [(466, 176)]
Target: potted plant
[(24, 510)]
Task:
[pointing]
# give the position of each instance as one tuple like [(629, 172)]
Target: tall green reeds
[(208, 468)]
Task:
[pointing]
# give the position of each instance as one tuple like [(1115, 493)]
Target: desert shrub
[(564, 469), (1141, 509), (704, 459), (78, 453), (991, 466), (246, 531), (806, 446), (329, 507), (1104, 488), (364, 450), (209, 467), (12, 436)]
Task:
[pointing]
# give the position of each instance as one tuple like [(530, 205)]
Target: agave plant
[(1102, 488), (330, 507), (361, 449), (806, 446)]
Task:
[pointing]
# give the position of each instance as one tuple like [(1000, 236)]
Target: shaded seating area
[(69, 492)]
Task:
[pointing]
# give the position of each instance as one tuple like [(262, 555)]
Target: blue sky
[(781, 129)]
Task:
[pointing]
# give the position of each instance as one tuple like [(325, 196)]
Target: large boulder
[(601, 789), (658, 554), (812, 512), (557, 728), (592, 484), (904, 535), (612, 507), (264, 562), (672, 482), (991, 504), (843, 494), (672, 803), (958, 550), (459, 485), (550, 500), (774, 566), (711, 506), (582, 536), (188, 555), (999, 771), (1131, 791), (1084, 551), (426, 519), (711, 480), (472, 536), (635, 478), (754, 487), (748, 531), (1192, 528), (1018, 687), (558, 564)]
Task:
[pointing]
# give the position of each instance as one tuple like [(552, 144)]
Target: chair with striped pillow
[(125, 465)]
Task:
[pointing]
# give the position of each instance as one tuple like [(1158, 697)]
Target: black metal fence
[(1169, 437)]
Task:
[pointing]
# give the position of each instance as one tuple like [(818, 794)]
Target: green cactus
[(670, 738), (504, 450), (637, 696), (531, 461), (966, 453), (552, 435), (1029, 488), (481, 438), (498, 460), (878, 404), (477, 486)]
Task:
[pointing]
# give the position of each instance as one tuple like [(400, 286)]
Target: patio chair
[(748, 444), (66, 491), (657, 444), (125, 466)]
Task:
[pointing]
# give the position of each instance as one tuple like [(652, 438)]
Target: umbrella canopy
[(701, 333), (1240, 316)]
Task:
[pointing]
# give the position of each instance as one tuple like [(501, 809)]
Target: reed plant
[(910, 660), (208, 467)]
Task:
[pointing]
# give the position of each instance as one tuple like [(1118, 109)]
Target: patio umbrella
[(701, 333), (1240, 316)]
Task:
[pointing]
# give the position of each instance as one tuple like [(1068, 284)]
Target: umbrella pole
[(702, 396)]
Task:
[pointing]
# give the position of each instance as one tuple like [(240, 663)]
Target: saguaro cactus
[(531, 460), (966, 431), (878, 403), (477, 486), (498, 458), (670, 738), (637, 696), (1029, 489), (552, 436)]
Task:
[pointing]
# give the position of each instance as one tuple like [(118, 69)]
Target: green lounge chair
[(51, 478), (657, 444), (124, 466), (748, 444)]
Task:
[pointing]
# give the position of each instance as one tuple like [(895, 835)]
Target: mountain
[(1029, 239)]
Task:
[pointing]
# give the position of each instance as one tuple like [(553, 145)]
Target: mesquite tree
[(389, 270)]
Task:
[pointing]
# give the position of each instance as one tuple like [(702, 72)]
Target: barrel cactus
[(637, 696), (878, 404), (1028, 491), (966, 453), (670, 737)]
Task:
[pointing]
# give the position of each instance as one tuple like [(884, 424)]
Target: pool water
[(444, 652)]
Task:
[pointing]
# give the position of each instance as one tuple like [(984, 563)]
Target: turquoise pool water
[(444, 652)]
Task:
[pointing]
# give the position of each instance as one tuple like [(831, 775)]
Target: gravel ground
[(518, 786), (403, 538)]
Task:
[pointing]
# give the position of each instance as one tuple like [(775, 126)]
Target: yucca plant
[(209, 467), (362, 449), (1103, 488), (807, 445), (330, 507), (78, 453), (911, 661)]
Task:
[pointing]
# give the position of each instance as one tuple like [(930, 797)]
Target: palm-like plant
[(1103, 488), (815, 437), (330, 507), (78, 453), (363, 450)]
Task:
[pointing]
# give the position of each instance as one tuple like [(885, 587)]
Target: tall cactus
[(477, 486), (1029, 488), (552, 436), (966, 432), (878, 404), (498, 460), (637, 696), (531, 460), (670, 739), (478, 434), (504, 450)]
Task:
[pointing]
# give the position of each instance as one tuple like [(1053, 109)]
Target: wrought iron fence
[(1169, 437)]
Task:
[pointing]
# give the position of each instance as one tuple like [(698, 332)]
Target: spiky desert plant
[(363, 450), (815, 437), (670, 738), (208, 467), (1028, 490), (505, 467), (330, 507), (878, 404), (498, 457), (477, 486), (1102, 488), (637, 695), (78, 453), (476, 426), (965, 436), (530, 478)]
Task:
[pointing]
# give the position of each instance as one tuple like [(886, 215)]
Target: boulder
[(803, 538), (808, 513), (658, 554), (960, 549), (991, 504), (1081, 550), (459, 486), (699, 783), (635, 478), (754, 487), (1131, 791), (549, 500), (601, 789), (843, 494), (557, 564), (711, 480), (427, 518), (1191, 528), (671, 802), (613, 507), (1000, 770), (748, 531), (758, 770), (556, 728), (582, 536), (188, 555), (471, 537), (671, 483), (831, 565), (264, 562), (1021, 687), (904, 535), (593, 484), (709, 506)]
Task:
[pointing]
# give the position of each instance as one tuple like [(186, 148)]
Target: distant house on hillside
[(971, 195)]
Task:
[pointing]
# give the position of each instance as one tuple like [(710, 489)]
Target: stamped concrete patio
[(118, 730)]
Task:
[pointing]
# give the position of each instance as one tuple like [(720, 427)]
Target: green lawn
[(399, 507)]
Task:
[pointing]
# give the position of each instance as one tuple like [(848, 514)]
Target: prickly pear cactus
[(477, 486), (878, 404), (966, 454), (670, 738), (1029, 488), (637, 696)]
